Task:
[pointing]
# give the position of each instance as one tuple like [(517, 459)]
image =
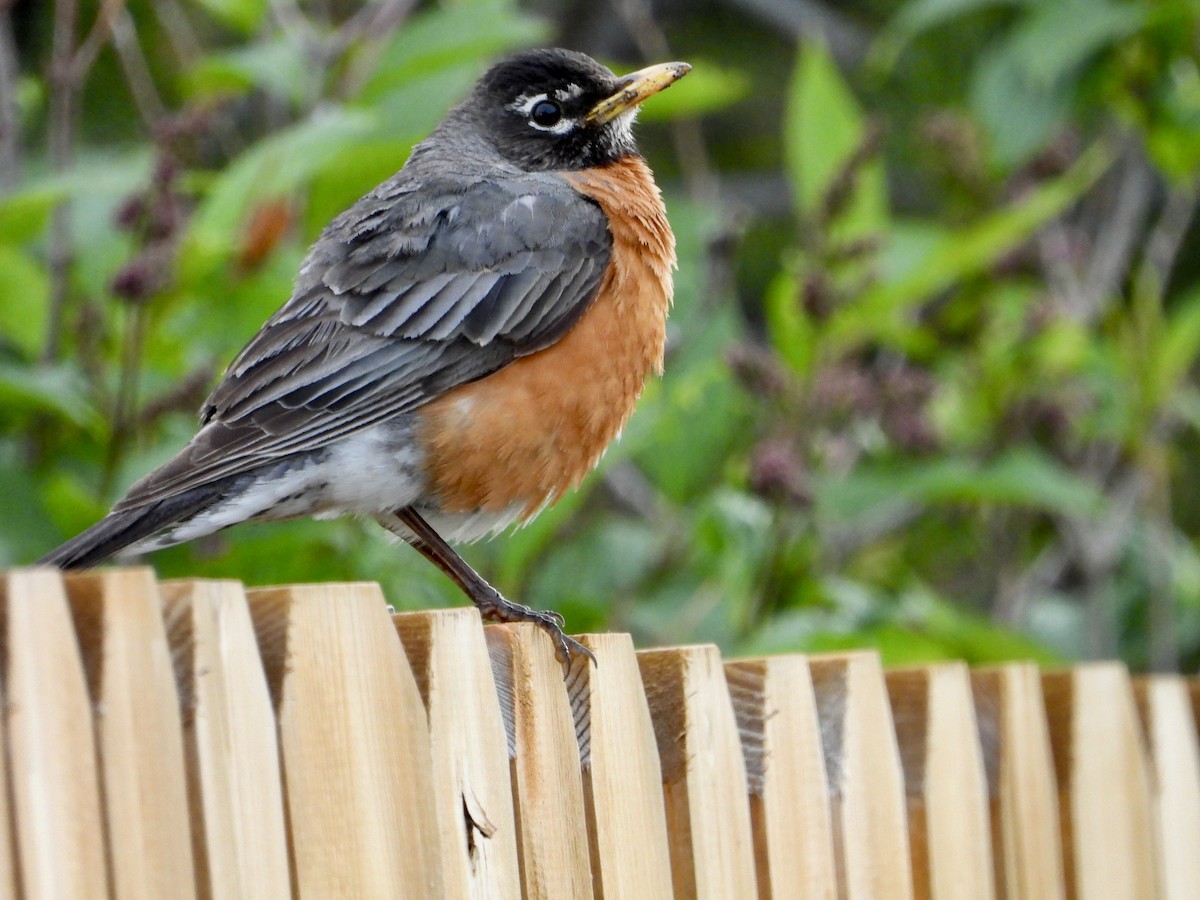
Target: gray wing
[(418, 288)]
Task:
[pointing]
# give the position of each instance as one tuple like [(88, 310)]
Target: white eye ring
[(525, 106)]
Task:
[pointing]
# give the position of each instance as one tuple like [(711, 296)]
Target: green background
[(931, 367)]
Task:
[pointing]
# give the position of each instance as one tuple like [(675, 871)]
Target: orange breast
[(526, 434)]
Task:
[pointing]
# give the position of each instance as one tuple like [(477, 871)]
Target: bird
[(460, 347)]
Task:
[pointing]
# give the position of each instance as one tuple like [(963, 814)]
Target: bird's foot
[(489, 601), (492, 605)]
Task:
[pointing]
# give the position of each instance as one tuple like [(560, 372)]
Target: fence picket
[(469, 749), (1022, 790), (193, 738), (1193, 688), (785, 770), (547, 783), (1165, 711), (354, 742), (943, 775), (59, 825), (1103, 780), (862, 762), (238, 828), (703, 773), (622, 778), (118, 618)]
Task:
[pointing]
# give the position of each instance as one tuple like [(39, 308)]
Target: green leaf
[(96, 184), (689, 424), (825, 126), (1024, 84), (448, 37), (1023, 478), (582, 576), (24, 301), (271, 168), (885, 308), (244, 15), (519, 549), (25, 214), (791, 332), (1173, 135), (909, 245), (1018, 111), (919, 16), (1179, 345), (277, 65), (56, 390), (709, 87), (22, 500), (1056, 39), (350, 174), (413, 108)]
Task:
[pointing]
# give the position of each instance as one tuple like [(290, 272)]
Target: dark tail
[(123, 528)]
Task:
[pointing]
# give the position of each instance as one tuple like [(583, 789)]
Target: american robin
[(461, 344)]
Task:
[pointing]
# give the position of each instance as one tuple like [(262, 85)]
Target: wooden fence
[(192, 738)]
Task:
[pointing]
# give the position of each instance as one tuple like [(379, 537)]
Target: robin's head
[(550, 110)]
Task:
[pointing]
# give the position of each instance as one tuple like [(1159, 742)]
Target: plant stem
[(137, 70), (125, 405), (61, 130), (10, 124)]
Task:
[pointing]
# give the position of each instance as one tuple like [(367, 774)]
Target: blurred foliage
[(931, 369)]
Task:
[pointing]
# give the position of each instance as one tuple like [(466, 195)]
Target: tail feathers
[(124, 528)]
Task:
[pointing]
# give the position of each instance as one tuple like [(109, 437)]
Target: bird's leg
[(489, 601)]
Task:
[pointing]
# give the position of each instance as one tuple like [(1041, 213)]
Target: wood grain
[(703, 772), (622, 777), (1105, 806), (1165, 711), (866, 783), (238, 829), (56, 783), (547, 781), (1022, 787), (776, 713), (354, 743), (469, 749), (118, 617), (944, 780)]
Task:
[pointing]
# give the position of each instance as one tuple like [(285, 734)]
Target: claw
[(566, 648), (489, 601)]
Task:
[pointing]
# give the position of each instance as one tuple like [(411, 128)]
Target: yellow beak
[(635, 88)]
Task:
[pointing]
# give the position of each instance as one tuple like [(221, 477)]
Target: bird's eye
[(545, 114)]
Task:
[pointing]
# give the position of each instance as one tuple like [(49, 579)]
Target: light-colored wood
[(1022, 791), (143, 757), (354, 741), (449, 658), (622, 779), (1105, 807), (55, 783), (547, 783), (948, 829), (704, 776), (776, 713), (1166, 715), (862, 764), (238, 831), (118, 618), (8, 847)]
